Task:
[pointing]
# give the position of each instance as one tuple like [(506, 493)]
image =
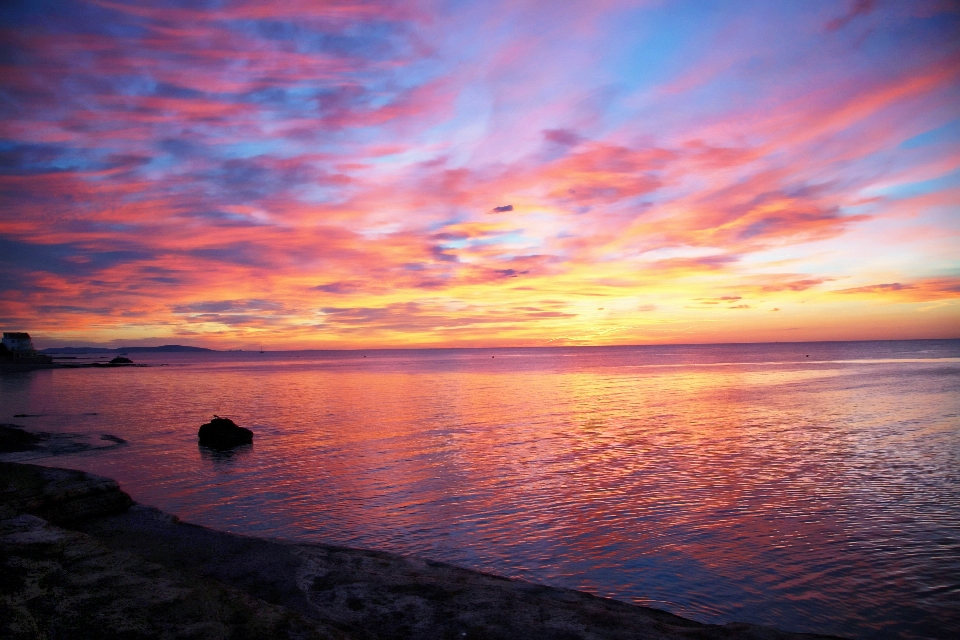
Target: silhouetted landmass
[(167, 348), (14, 438), (22, 358)]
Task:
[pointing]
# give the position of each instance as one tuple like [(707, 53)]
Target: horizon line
[(568, 346)]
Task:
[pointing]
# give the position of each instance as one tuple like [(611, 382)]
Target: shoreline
[(35, 366), (88, 560)]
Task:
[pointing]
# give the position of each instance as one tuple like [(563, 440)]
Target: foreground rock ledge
[(80, 559)]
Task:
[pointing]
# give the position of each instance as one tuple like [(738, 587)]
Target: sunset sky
[(312, 174)]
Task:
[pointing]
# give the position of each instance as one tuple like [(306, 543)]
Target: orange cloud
[(916, 291)]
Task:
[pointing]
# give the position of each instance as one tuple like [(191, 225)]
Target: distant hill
[(167, 348)]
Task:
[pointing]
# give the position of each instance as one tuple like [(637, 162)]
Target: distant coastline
[(167, 348), (177, 348), (53, 357)]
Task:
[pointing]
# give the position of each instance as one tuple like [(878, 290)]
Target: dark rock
[(58, 582), (58, 496), (223, 433), (13, 438), (121, 360), (16, 440)]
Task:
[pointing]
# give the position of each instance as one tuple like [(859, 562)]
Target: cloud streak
[(351, 174)]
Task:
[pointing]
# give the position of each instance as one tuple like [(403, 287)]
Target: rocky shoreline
[(81, 559), (34, 366)]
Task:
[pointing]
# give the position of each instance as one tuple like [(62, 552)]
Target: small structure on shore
[(17, 347), (17, 341), (223, 433)]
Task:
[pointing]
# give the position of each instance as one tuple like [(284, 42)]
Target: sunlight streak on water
[(811, 487)]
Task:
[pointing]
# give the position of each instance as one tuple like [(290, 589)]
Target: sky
[(311, 174)]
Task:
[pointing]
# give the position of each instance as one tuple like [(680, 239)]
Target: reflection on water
[(812, 487), (219, 458)]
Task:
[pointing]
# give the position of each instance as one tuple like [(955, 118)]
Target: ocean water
[(814, 487)]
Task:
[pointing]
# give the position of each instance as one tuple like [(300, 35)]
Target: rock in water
[(121, 360), (223, 433), (14, 438)]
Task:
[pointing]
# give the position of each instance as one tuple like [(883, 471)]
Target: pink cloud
[(385, 161)]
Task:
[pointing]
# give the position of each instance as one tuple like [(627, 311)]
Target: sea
[(814, 487)]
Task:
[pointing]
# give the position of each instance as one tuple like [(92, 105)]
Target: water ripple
[(724, 483)]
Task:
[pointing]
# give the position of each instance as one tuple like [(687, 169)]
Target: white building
[(16, 341)]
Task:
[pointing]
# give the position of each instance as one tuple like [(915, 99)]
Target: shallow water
[(813, 487)]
